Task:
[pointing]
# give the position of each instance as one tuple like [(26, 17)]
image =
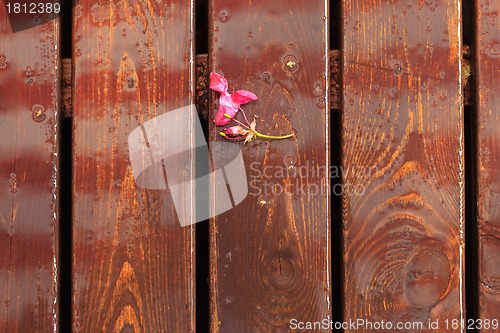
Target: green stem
[(273, 137)]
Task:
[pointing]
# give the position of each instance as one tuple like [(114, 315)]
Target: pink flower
[(234, 131), (228, 103)]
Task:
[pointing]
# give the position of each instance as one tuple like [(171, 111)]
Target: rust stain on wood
[(403, 149), (133, 264), (270, 254), (488, 125), (29, 104)]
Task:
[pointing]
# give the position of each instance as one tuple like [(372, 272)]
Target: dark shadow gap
[(471, 232), (201, 26), (65, 190), (470, 135), (337, 275), (202, 228), (66, 29), (335, 24), (65, 227)]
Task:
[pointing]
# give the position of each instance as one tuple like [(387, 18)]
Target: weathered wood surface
[(403, 162), (29, 118), (270, 254), (133, 265), (488, 126)]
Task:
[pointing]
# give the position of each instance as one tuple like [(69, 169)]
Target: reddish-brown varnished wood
[(270, 254), (29, 118), (132, 262), (488, 64), (403, 162)]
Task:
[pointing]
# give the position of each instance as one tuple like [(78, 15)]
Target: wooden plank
[(270, 254), (133, 265), (403, 164), (29, 119), (488, 127)]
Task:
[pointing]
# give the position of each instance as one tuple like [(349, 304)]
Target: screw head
[(38, 112), (290, 64), (398, 70)]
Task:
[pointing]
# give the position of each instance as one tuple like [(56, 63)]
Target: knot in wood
[(427, 277), (282, 272)]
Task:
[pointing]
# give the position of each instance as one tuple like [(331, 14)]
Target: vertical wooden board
[(403, 164), (270, 253), (29, 118), (133, 265), (488, 64)]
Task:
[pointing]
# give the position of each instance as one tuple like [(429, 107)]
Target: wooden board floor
[(133, 265), (29, 136), (488, 125), (403, 149), (96, 237), (270, 260)]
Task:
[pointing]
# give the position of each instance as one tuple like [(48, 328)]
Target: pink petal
[(234, 131), (226, 106), (218, 82), (253, 124), (243, 96), (226, 100)]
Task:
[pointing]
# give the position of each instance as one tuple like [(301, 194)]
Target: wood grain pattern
[(488, 65), (270, 254), (133, 265), (403, 163), (29, 118)]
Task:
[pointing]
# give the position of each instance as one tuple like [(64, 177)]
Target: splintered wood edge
[(202, 86)]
